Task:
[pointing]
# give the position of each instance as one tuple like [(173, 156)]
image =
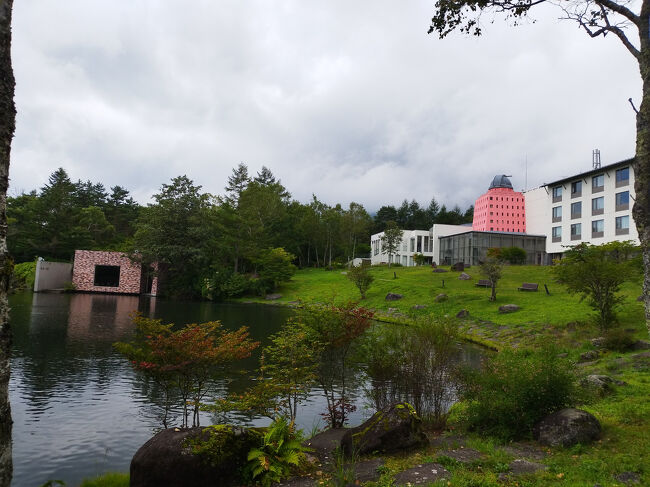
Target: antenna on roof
[(595, 158)]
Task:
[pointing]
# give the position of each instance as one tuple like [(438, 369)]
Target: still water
[(78, 407)]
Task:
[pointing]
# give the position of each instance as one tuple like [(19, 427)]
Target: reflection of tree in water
[(415, 364)]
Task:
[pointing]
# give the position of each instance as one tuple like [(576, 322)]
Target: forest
[(204, 242)]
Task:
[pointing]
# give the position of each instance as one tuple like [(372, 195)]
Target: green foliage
[(414, 364), (23, 276), (596, 273), (361, 278), (286, 373), (332, 332), (515, 390), (391, 240), (618, 339), (419, 259), (108, 480), (275, 267), (513, 255), (491, 269), (281, 449), (186, 360)]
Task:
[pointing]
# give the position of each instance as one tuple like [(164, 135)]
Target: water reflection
[(79, 409)]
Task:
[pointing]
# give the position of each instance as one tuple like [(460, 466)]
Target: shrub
[(361, 278), (280, 449), (23, 276), (618, 339), (513, 255), (515, 390)]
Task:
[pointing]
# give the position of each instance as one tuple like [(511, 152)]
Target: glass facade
[(471, 247)]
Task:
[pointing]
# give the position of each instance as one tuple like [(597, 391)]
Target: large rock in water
[(567, 427), (169, 459), (394, 428)]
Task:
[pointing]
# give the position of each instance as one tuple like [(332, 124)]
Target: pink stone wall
[(500, 210), (83, 272)]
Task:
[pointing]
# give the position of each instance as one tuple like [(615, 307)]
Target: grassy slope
[(560, 318)]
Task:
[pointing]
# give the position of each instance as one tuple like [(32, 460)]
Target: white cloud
[(351, 101)]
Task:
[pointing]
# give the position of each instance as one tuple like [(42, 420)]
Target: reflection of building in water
[(112, 272), (105, 316)]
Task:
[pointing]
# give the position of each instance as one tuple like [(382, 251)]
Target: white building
[(425, 242), (593, 207)]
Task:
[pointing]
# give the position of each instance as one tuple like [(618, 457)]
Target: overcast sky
[(348, 100)]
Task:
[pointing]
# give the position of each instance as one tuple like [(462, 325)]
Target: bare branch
[(619, 9), (633, 107)]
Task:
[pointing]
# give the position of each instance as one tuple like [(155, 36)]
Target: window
[(576, 189), (622, 225), (598, 205), (622, 200), (557, 234), (622, 177), (576, 231), (576, 209), (598, 183), (107, 275), (597, 228), (412, 245), (557, 213)]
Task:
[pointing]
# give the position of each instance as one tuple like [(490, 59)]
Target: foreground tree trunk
[(641, 209), (7, 127)]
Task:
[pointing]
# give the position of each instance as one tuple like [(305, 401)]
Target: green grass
[(108, 480), (559, 318)]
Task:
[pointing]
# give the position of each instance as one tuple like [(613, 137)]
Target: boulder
[(324, 444), (439, 269), (628, 478), (425, 474), (170, 458), (463, 313), (391, 429), (441, 297), (464, 276), (458, 267), (640, 345), (598, 342), (589, 356), (272, 297), (602, 384), (393, 297), (523, 467), (508, 308), (418, 306), (567, 427)]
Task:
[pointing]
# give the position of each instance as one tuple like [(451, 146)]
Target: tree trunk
[(641, 165), (7, 127)]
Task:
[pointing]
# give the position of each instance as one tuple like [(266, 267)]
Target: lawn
[(558, 314)]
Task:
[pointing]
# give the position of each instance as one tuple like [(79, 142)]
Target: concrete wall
[(51, 275), (83, 274)]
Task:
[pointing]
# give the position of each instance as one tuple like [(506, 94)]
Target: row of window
[(597, 184), (622, 201), (622, 227)]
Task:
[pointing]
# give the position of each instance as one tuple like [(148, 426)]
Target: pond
[(78, 407)]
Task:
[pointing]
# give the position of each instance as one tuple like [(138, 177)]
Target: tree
[(185, 361), (361, 278), (596, 272), (275, 267), (237, 183), (391, 240), (597, 18), (7, 127), (491, 269), (177, 233)]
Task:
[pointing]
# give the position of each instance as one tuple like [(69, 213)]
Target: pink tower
[(501, 209)]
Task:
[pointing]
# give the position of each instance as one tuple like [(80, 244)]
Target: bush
[(513, 255), (515, 390), (23, 276), (618, 339)]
